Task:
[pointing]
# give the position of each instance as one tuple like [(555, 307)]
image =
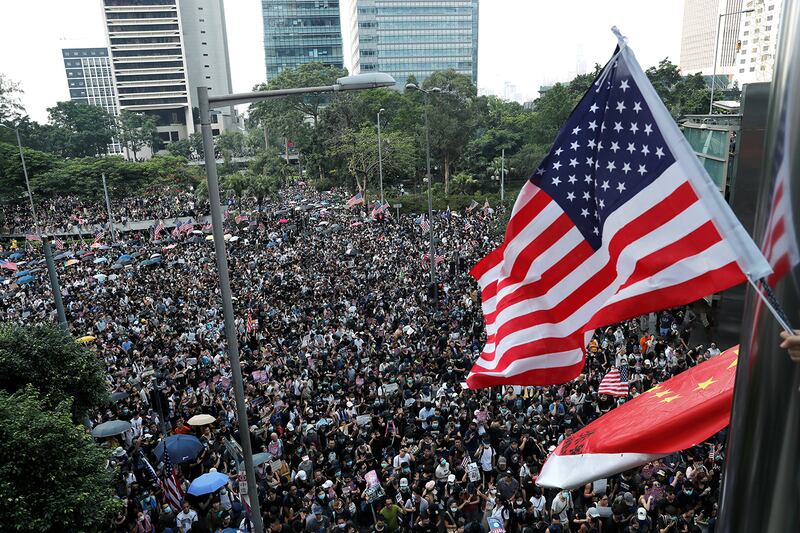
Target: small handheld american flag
[(357, 198), (615, 382)]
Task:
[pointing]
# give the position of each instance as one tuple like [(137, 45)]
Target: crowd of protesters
[(352, 366), (70, 214)]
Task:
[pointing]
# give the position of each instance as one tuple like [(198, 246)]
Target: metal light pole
[(716, 51), (108, 208), (54, 285), (380, 154), (25, 172), (429, 178), (349, 83), (502, 175)]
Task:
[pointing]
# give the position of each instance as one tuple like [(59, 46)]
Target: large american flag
[(615, 382), (173, 492), (357, 198), (32, 237), (620, 219)]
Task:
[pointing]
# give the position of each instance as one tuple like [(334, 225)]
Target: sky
[(526, 43)]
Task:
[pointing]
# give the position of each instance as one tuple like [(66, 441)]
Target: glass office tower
[(414, 37), (301, 31)]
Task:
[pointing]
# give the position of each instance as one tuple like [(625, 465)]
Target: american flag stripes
[(615, 382), (472, 205), (59, 244), (424, 225), (8, 265), (779, 244), (159, 228), (379, 208), (357, 198), (251, 322), (437, 258), (32, 237), (241, 218), (186, 227), (467, 225), (98, 236), (620, 219), (173, 492)]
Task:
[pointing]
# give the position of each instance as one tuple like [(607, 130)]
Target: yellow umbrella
[(72, 262), (201, 420), (86, 338), (209, 237)]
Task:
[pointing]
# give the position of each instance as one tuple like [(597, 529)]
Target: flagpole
[(54, 285)]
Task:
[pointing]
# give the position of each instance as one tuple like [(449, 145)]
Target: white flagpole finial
[(623, 41)]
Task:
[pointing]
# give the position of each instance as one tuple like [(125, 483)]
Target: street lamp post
[(429, 178), (108, 209), (380, 154), (716, 50), (25, 172), (205, 103)]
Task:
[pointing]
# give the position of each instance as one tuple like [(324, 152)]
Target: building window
[(208, 77), (207, 66), (205, 55), (202, 20), (173, 136), (752, 69), (202, 31)]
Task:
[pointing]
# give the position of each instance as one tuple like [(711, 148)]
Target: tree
[(449, 117), (360, 151), (230, 144), (182, 148), (53, 477), (137, 130), (261, 186), (682, 95), (10, 106), (52, 362), (80, 130)]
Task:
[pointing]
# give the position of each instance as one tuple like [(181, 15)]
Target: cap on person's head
[(430, 485), (641, 514), (593, 512), (328, 484), (404, 482), (302, 476), (661, 473), (119, 451), (451, 478), (628, 499), (349, 404), (316, 509)]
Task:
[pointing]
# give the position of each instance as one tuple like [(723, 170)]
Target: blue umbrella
[(208, 483), (24, 280), (14, 256), (124, 259), (181, 448), (22, 273), (101, 260)]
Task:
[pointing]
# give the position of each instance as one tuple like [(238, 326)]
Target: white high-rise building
[(746, 45), (89, 79), (699, 36), (161, 51), (759, 38)]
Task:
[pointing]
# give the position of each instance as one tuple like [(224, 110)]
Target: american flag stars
[(612, 136)]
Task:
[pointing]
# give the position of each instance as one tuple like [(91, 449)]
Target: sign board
[(481, 416), (242, 478), (473, 473), (397, 206), (363, 420), (495, 525), (373, 494), (391, 388), (371, 478)]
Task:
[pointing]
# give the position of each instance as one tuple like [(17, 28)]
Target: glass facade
[(417, 37), (89, 79), (301, 31)]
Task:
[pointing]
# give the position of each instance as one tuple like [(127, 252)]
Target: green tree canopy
[(51, 361), (53, 477), (137, 130), (80, 130)]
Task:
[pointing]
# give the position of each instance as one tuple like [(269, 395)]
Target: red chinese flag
[(672, 416)]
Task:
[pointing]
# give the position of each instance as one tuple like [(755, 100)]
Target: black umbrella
[(111, 428), (119, 395)]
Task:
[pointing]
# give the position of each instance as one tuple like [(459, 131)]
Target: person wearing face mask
[(562, 507), (453, 517)]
